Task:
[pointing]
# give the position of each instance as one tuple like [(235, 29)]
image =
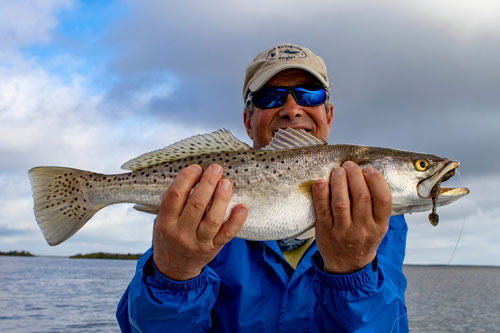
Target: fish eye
[(422, 165)]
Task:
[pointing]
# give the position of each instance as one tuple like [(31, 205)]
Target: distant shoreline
[(445, 265), (94, 255), (105, 255), (17, 254)]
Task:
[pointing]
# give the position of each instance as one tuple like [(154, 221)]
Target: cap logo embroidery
[(285, 52)]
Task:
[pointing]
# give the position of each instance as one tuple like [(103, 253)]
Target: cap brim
[(266, 76)]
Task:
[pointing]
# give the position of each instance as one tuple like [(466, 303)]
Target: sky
[(92, 84)]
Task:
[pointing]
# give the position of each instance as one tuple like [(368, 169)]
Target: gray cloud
[(399, 80)]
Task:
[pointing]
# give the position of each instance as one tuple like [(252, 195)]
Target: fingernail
[(243, 210), (225, 184), (319, 185), (348, 164), (195, 167), (338, 171), (368, 171), (216, 169)]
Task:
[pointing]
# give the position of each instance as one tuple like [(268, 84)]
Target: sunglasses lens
[(268, 98), (273, 97), (310, 96)]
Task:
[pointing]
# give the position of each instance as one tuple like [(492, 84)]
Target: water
[(60, 294), (453, 298), (80, 295)]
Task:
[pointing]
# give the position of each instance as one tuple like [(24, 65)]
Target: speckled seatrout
[(274, 182)]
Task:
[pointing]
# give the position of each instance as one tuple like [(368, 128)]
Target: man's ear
[(247, 120), (329, 115)]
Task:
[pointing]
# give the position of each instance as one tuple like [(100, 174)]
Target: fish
[(274, 182)]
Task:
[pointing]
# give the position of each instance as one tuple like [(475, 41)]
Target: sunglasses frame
[(289, 90)]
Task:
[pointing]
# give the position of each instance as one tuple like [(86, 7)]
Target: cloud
[(462, 18), (26, 22)]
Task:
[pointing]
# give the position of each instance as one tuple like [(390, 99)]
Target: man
[(348, 277)]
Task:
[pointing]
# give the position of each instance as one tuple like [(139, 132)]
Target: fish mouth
[(425, 186), (448, 195)]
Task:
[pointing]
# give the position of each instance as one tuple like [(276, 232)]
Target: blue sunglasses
[(274, 97)]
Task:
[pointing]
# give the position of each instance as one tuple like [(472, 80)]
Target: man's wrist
[(176, 274), (348, 268)]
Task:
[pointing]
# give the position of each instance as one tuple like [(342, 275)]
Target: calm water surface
[(61, 294), (80, 295), (453, 298)]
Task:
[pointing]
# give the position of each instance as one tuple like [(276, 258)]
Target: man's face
[(263, 123)]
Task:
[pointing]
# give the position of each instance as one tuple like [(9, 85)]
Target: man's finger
[(175, 197), (381, 195), (321, 199), (214, 217), (232, 226), (340, 202), (197, 204), (361, 199)]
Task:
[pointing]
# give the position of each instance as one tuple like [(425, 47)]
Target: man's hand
[(351, 224), (189, 229)]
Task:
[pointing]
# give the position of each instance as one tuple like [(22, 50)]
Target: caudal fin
[(61, 203)]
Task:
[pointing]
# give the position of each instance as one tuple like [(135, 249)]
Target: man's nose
[(290, 110)]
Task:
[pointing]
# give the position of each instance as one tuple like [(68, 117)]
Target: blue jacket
[(250, 287)]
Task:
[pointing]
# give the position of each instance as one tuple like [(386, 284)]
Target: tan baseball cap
[(278, 58)]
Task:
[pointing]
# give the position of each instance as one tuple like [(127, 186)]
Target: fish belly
[(279, 216)]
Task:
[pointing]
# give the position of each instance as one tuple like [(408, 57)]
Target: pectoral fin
[(147, 209)]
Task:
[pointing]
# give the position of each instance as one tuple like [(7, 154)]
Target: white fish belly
[(278, 216)]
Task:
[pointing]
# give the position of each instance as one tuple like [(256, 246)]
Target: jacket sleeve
[(153, 303), (369, 300)]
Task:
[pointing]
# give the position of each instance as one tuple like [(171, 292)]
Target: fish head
[(415, 178)]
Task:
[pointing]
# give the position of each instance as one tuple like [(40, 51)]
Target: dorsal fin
[(290, 138), (218, 141)]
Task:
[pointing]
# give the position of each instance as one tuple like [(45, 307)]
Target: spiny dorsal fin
[(290, 138), (219, 141)]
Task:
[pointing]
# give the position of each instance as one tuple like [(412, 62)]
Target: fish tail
[(61, 202)]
